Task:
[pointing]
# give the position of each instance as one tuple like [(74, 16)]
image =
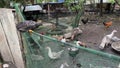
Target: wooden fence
[(9, 41)]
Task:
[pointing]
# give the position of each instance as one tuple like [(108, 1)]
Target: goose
[(112, 34), (107, 39), (63, 65), (54, 55)]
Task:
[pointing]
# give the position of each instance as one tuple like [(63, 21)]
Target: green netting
[(37, 54)]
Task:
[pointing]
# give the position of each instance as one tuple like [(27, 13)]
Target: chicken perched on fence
[(27, 25), (107, 39)]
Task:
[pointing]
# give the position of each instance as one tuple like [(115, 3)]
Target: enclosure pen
[(37, 54)]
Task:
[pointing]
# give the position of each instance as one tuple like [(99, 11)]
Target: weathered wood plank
[(9, 27), (4, 49)]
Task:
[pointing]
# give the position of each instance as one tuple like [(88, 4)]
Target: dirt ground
[(94, 31)]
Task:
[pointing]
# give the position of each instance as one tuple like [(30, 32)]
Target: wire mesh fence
[(45, 52)]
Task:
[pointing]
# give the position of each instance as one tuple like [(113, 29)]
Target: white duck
[(75, 48), (63, 65), (107, 39), (54, 55)]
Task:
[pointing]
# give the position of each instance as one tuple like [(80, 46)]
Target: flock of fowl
[(108, 39)]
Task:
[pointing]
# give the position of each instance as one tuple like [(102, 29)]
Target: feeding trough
[(116, 46)]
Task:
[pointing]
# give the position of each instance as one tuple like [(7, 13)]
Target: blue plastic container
[(60, 1)]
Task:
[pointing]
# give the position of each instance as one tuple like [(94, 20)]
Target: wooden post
[(101, 5), (4, 48), (11, 40)]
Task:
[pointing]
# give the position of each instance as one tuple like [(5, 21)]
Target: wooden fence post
[(11, 40)]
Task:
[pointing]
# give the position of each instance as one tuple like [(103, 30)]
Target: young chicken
[(84, 21), (107, 24)]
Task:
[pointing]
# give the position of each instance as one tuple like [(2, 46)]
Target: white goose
[(107, 39), (54, 55)]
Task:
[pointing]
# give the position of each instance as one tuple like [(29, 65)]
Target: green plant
[(39, 1), (112, 1), (74, 5), (77, 6), (4, 3)]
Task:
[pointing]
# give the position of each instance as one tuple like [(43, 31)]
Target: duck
[(54, 55), (107, 39), (74, 48), (73, 51), (63, 65)]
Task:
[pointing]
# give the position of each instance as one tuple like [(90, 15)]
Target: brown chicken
[(107, 24)]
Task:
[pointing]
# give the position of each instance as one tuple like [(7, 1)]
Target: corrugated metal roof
[(33, 8)]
